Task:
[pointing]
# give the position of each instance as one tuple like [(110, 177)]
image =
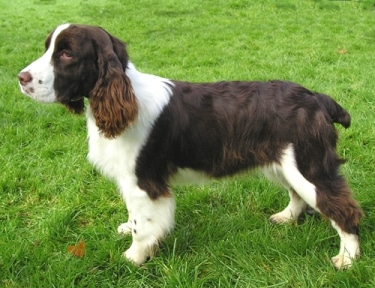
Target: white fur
[(125, 228), (291, 212), (349, 249), (151, 220), (287, 174), (115, 158), (40, 87), (288, 167)]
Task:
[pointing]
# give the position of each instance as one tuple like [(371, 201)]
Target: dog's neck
[(152, 93)]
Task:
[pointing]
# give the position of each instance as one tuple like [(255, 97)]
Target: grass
[(51, 198)]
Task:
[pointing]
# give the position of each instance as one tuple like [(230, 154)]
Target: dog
[(147, 133)]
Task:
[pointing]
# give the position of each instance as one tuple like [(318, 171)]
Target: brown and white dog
[(147, 133)]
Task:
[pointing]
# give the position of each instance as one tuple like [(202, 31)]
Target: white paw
[(282, 217), (125, 229), (137, 256), (342, 262), (345, 261)]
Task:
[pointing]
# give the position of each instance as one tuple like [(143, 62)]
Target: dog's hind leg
[(296, 204), (295, 207), (335, 201), (332, 198), (349, 248)]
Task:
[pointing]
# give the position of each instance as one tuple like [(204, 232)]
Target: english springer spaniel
[(147, 133)]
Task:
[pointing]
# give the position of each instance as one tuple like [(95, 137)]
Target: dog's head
[(84, 61)]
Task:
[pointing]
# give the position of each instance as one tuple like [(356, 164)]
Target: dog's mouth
[(27, 90), (42, 94)]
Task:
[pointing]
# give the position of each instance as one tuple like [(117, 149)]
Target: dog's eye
[(66, 55)]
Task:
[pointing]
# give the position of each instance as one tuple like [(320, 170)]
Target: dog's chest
[(115, 158)]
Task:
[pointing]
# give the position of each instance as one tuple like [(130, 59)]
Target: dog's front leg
[(149, 221)]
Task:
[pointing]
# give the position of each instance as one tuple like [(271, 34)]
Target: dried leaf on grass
[(79, 250)]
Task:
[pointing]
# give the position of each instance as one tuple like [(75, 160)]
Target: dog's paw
[(136, 255), (342, 262), (125, 229), (282, 217)]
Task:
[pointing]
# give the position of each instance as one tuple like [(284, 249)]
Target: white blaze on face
[(40, 87)]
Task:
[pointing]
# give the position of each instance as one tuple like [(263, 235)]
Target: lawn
[(51, 198)]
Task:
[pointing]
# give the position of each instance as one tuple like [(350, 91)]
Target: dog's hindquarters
[(309, 167), (329, 196)]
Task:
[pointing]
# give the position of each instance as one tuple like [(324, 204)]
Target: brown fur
[(335, 201), (112, 100), (113, 103)]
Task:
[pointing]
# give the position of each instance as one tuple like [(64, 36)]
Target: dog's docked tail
[(338, 114)]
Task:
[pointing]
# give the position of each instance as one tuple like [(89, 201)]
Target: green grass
[(50, 197)]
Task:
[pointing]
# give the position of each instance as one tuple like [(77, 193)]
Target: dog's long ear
[(112, 100)]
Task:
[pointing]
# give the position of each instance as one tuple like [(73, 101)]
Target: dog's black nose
[(24, 78)]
